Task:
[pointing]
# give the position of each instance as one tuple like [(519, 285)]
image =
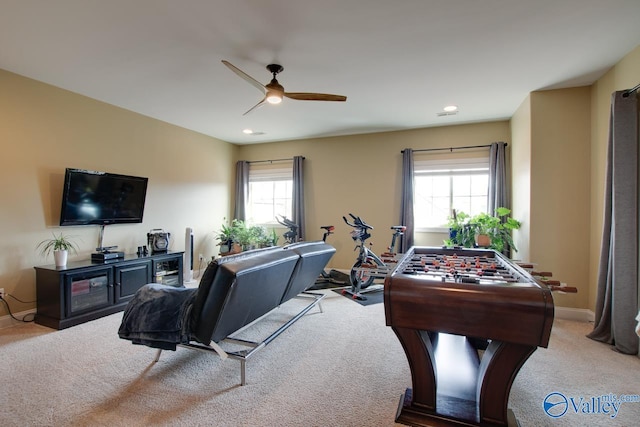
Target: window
[(270, 193), (446, 184)]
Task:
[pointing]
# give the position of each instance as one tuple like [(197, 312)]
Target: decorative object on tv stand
[(158, 240), (60, 246)]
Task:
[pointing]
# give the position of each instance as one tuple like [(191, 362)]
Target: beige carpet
[(343, 367)]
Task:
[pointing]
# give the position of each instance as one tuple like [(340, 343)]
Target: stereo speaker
[(158, 240)]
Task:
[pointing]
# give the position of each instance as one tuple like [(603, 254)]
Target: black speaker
[(158, 240)]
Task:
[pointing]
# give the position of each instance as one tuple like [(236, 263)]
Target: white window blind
[(270, 192), (441, 185)]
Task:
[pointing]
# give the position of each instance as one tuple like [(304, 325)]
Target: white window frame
[(449, 167), (268, 173)]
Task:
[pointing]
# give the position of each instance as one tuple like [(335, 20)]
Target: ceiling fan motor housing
[(275, 69)]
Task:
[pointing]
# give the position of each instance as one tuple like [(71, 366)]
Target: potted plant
[(460, 232), (250, 237), (497, 228), (60, 246), (264, 238), (273, 238), (484, 227), (228, 237), (483, 230)]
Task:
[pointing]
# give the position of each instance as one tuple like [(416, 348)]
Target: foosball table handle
[(541, 273), (567, 289)]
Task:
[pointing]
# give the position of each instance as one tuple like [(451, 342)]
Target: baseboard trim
[(579, 314), (7, 321)]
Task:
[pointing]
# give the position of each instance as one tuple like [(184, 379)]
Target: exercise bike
[(333, 277), (368, 265), (291, 235)]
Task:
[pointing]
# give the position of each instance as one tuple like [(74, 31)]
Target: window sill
[(432, 230)]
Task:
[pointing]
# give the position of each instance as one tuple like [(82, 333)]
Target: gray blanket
[(158, 316)]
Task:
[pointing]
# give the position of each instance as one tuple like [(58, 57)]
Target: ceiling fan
[(274, 92)]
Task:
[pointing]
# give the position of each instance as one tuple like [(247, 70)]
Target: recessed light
[(247, 131), (450, 108)]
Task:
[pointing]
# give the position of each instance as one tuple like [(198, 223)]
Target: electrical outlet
[(2, 293)]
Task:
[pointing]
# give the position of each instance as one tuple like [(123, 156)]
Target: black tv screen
[(102, 198)]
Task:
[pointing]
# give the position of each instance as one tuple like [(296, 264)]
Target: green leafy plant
[(248, 237), (228, 234), (460, 232), (57, 243), (243, 234), (273, 240), (464, 229)]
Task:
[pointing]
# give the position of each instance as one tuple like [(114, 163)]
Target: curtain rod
[(454, 148), (630, 91), (271, 161)]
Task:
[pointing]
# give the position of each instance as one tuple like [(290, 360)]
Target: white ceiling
[(398, 62)]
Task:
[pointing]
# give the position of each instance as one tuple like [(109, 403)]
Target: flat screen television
[(101, 198)]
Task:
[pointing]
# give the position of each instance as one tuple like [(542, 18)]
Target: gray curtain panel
[(298, 213), (406, 205), (617, 297), (497, 196), (242, 189)]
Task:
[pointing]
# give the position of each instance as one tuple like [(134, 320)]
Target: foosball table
[(467, 319)]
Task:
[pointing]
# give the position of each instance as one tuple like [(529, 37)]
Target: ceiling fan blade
[(303, 96), (245, 76), (258, 105)]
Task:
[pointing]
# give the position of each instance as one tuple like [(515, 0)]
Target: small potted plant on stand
[(60, 246)]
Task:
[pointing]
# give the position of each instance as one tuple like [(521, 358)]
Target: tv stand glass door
[(88, 290)]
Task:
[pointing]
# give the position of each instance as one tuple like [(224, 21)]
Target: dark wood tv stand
[(85, 290)]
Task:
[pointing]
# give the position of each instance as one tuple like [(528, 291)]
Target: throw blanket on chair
[(158, 316)]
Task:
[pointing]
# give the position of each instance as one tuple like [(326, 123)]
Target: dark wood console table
[(85, 290), (479, 328)]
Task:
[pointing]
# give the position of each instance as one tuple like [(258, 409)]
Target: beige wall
[(560, 160), (521, 177), (551, 176), (45, 129), (361, 174)]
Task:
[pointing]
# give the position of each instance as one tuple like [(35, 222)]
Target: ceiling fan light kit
[(274, 92), (273, 98)]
